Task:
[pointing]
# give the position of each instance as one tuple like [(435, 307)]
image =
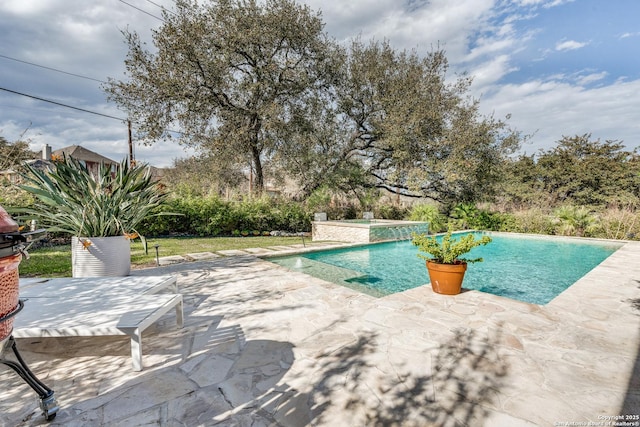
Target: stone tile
[(168, 260), (211, 370), (232, 252), (199, 256), (258, 251)]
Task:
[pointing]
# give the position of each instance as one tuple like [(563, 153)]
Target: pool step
[(350, 278)]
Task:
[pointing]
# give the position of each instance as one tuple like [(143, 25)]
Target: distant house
[(90, 159)]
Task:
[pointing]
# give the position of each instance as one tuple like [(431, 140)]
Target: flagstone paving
[(199, 256), (264, 346)]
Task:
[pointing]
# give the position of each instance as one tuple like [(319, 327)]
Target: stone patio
[(264, 346)]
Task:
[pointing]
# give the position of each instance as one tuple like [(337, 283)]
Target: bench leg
[(136, 348), (180, 314)]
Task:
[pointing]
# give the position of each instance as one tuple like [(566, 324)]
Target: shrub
[(429, 213), (211, 216), (391, 211), (12, 196), (619, 223), (575, 221), (534, 221)]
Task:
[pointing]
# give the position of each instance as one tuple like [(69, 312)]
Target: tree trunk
[(255, 125), (258, 186)]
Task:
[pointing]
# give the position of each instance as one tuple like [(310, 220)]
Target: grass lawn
[(56, 261)]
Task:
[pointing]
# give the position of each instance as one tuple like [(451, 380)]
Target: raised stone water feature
[(367, 230)]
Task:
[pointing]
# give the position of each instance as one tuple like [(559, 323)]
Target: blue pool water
[(526, 268)]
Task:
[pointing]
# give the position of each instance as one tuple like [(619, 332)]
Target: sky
[(555, 67)]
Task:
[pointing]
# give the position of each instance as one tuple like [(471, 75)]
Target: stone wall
[(378, 231)]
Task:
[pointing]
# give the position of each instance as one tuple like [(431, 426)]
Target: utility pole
[(131, 159)]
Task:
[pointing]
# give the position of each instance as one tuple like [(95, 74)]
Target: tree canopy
[(228, 75), (13, 154), (396, 123), (578, 170), (260, 83), (414, 132)]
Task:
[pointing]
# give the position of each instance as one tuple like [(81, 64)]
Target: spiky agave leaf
[(69, 198)]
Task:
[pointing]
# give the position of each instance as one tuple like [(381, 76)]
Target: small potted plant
[(100, 210), (446, 268)]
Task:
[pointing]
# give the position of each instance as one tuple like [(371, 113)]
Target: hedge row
[(212, 216)]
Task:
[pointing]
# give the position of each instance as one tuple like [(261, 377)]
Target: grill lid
[(10, 237), (7, 224)]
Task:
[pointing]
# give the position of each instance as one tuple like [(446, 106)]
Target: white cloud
[(591, 78), (544, 3), (569, 45), (489, 72), (420, 25), (550, 109), (627, 35)]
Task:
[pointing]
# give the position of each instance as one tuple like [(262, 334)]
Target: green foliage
[(576, 221), (71, 199), (390, 211), (496, 221), (203, 175), (578, 171), (320, 199), (248, 81), (534, 221), (449, 250), (431, 214), (291, 217), (585, 172), (13, 154), (467, 215), (212, 216), (522, 185), (414, 131), (12, 196)]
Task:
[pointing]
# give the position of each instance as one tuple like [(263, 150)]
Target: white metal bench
[(96, 306)]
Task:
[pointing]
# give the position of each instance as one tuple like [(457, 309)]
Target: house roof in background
[(81, 153)]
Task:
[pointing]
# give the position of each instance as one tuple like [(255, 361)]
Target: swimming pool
[(533, 269)]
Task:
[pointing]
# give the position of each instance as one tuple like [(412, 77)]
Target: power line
[(52, 69), (161, 7), (61, 104), (141, 10), (77, 108)]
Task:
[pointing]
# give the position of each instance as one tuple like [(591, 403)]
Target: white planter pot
[(105, 256)]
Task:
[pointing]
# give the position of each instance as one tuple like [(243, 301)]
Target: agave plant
[(69, 198)]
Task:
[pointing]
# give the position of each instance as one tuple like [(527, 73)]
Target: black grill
[(11, 251)]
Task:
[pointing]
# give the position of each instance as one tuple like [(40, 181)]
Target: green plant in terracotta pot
[(445, 265), (100, 209)]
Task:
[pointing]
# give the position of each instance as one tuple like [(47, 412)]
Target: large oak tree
[(229, 75)]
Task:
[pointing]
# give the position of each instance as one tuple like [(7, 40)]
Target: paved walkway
[(264, 346)]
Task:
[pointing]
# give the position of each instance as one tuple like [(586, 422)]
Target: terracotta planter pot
[(105, 256), (446, 279)]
